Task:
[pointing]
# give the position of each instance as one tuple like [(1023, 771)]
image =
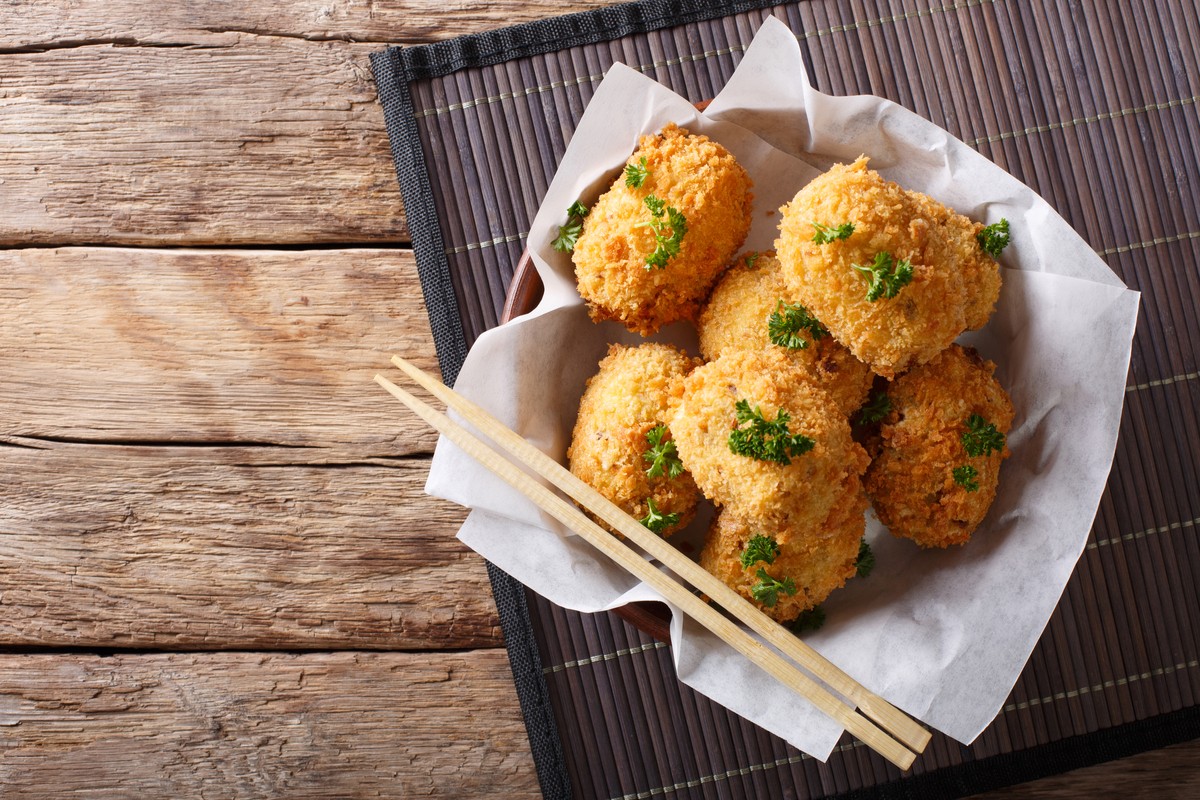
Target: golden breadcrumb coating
[(700, 179), (798, 495), (954, 285), (911, 481), (818, 561), (980, 272), (629, 396), (735, 318)]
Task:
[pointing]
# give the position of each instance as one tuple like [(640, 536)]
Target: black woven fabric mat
[(1095, 106)]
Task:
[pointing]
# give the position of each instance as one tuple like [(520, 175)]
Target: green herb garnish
[(759, 548), (750, 259), (788, 320), (886, 276), (767, 590), (831, 233), (981, 437), (878, 407), (662, 455), (568, 234), (994, 238), (656, 521), (808, 620), (866, 560), (766, 441), (965, 477), (636, 174), (668, 233)]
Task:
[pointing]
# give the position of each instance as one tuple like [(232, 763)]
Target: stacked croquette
[(869, 283)]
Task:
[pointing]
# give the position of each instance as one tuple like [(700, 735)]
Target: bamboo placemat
[(1095, 107)]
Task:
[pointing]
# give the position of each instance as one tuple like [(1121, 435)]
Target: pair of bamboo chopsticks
[(870, 718)]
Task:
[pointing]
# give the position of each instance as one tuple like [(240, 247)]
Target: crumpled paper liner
[(941, 634)]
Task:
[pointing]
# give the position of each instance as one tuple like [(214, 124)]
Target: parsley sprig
[(886, 276), (981, 437), (568, 234), (831, 233), (808, 620), (662, 455), (866, 560), (656, 521), (636, 174), (965, 477), (751, 259), (759, 548), (767, 590), (766, 440), (878, 407), (668, 232), (994, 238), (788, 320)]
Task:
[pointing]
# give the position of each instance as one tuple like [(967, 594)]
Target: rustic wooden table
[(219, 575)]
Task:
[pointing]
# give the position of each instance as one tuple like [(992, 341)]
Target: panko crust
[(630, 395), (819, 561), (980, 272), (952, 287), (705, 183), (735, 319), (795, 496), (910, 482)]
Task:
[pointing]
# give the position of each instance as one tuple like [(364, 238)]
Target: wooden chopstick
[(887, 716), (618, 551)]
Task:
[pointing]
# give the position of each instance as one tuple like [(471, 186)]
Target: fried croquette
[(714, 417), (817, 562), (920, 263), (980, 272), (940, 449), (623, 404), (625, 258), (737, 317)]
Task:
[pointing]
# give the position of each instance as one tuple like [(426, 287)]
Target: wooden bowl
[(524, 293)]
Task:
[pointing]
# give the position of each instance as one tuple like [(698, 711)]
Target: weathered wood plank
[(1172, 773), (42, 24), (238, 139), (230, 548), (211, 346), (246, 725), (207, 123)]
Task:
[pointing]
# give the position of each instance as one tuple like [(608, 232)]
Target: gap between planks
[(174, 533), (221, 549)]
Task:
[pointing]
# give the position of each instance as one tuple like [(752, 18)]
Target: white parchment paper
[(941, 634)]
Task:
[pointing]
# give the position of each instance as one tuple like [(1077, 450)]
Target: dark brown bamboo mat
[(1097, 107)]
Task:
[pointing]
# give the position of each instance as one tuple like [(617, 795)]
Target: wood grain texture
[(34, 24), (250, 725), (230, 548), (210, 122), (227, 139), (214, 346), (1172, 773)]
